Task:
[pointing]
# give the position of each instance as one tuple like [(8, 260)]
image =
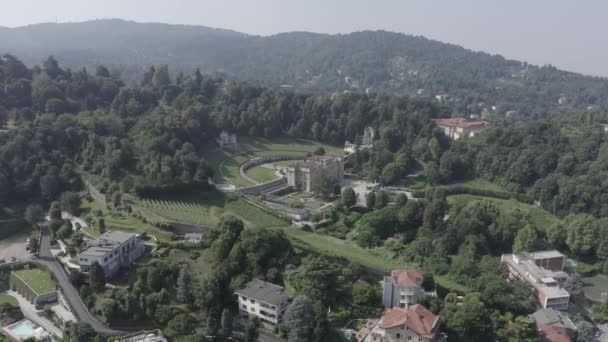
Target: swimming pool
[(23, 329)]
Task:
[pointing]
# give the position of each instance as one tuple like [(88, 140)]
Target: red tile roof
[(416, 317), (460, 122), (406, 278), (554, 334)]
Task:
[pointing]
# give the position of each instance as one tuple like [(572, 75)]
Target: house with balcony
[(263, 300), (544, 272), (400, 288), (458, 128)]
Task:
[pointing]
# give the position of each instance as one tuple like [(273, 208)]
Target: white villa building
[(263, 300), (112, 250), (399, 289)]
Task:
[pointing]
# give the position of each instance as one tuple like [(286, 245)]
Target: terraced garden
[(206, 208)]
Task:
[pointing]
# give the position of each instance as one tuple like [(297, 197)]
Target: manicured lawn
[(481, 184), (122, 221), (6, 299), (262, 174), (595, 286), (227, 164), (206, 208), (39, 280), (538, 216)]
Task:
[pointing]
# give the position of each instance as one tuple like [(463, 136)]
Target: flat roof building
[(543, 271), (554, 325), (112, 250)]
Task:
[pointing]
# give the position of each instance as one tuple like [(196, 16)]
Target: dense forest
[(378, 61), (61, 124)]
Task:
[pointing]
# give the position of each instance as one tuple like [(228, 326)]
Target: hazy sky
[(566, 33)]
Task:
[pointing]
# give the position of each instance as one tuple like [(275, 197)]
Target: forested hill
[(374, 61)]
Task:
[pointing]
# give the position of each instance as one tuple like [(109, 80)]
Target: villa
[(457, 128), (415, 323), (399, 289)]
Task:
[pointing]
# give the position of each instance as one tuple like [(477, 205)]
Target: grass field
[(595, 286), (40, 281), (539, 217), (121, 221), (227, 164), (481, 184), (262, 174), (206, 208), (6, 299)]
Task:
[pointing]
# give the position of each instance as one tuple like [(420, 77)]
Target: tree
[(251, 330), (154, 279), (381, 199), (101, 225), (102, 71), (574, 285), (370, 199), (525, 240), (184, 285), (55, 211), (33, 214), (180, 325), (70, 202), (349, 197), (471, 321), (523, 329), (401, 200), (391, 173), (584, 331), (319, 151), (299, 320), (226, 323), (81, 332), (97, 277)]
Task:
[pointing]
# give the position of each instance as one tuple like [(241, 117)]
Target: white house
[(399, 289), (112, 250), (263, 300)]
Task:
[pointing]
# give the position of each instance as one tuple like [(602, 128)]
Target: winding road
[(69, 291)]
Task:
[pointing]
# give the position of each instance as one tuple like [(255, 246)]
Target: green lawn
[(594, 287), (122, 221), (206, 208), (227, 164), (262, 174), (481, 184), (10, 300), (538, 216), (40, 281)]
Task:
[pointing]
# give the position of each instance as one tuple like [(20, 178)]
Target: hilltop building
[(263, 300), (112, 250), (367, 141), (543, 271), (399, 289), (457, 128), (303, 175), (415, 323), (554, 326), (228, 141)]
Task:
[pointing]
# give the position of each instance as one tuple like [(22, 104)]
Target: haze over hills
[(476, 82)]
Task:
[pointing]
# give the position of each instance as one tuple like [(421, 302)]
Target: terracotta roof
[(416, 317), (408, 278), (554, 334), (460, 122)]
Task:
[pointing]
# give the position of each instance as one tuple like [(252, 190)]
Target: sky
[(566, 33)]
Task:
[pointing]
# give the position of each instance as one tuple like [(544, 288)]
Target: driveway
[(14, 246), (69, 291)]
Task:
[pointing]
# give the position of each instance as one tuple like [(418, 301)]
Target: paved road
[(30, 312), (69, 291)]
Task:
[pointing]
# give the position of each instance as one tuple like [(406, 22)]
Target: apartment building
[(113, 250), (399, 289), (457, 128), (263, 300), (543, 271), (413, 324)]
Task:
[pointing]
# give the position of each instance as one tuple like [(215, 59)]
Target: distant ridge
[(376, 61)]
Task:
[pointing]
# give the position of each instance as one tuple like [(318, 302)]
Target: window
[(252, 301), (398, 335), (409, 338), (244, 307)]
